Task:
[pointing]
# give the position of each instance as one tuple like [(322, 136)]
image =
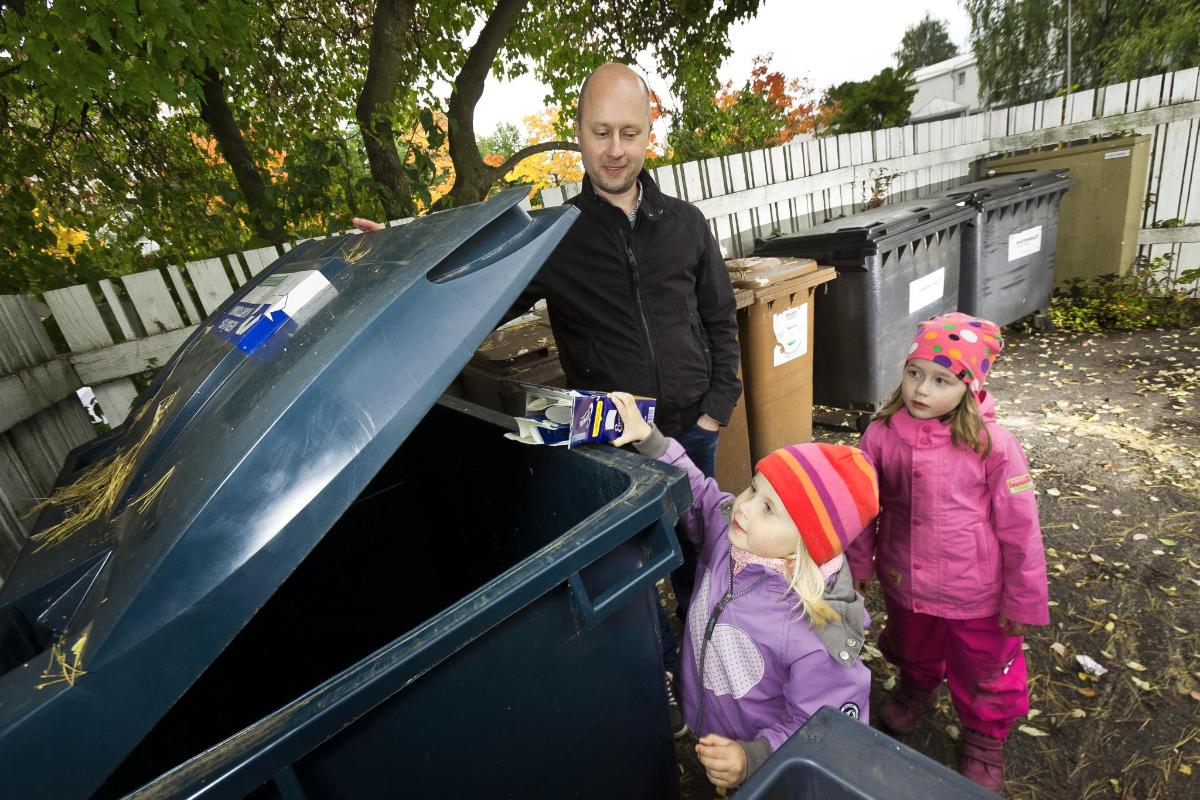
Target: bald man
[(638, 294)]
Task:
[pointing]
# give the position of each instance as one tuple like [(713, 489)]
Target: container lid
[(1010, 188), (756, 272), (253, 440), (870, 231)]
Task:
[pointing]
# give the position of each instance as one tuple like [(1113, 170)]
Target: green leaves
[(1021, 49), (879, 102)]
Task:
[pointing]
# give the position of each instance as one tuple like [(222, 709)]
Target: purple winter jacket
[(767, 669), (958, 535)]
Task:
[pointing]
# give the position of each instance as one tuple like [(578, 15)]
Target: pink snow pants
[(984, 668)]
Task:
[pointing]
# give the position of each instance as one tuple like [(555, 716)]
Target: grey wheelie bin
[(1007, 269), (295, 572), (896, 265), (836, 758)]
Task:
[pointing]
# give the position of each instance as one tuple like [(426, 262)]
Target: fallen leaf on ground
[(1059, 648), (1029, 730)]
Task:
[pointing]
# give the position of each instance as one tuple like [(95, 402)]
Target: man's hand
[(708, 423), (1012, 627), (366, 225), (724, 760), (636, 429)]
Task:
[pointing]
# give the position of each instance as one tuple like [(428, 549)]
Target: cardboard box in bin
[(522, 351), (572, 416)]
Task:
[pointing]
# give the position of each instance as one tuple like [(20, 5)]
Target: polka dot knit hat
[(965, 345), (830, 491)]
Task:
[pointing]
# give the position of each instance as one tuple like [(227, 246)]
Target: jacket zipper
[(631, 260), (712, 626)]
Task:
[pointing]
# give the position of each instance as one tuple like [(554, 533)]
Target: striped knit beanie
[(830, 491), (965, 345)]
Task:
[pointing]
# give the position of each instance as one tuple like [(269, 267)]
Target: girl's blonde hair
[(967, 427), (809, 585)]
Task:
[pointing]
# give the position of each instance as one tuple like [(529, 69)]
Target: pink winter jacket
[(958, 536)]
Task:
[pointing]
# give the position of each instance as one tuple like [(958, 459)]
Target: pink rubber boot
[(983, 760), (904, 709)]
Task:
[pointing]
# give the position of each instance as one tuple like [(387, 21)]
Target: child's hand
[(724, 760), (636, 429), (1012, 627)]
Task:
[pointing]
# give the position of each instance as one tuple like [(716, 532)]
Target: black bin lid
[(1010, 188), (877, 230), (254, 439)]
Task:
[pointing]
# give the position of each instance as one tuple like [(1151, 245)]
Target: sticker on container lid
[(791, 334), (1117, 154), (1025, 243), (272, 305), (926, 289)]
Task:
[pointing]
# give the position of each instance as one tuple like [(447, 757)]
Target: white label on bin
[(791, 333), (1024, 243), (926, 290), (1116, 154), (272, 305)]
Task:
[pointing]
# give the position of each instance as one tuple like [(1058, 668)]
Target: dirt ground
[(1111, 424)]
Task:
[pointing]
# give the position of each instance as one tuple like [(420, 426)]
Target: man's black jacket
[(646, 309)]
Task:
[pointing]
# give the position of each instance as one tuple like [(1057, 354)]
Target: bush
[(1147, 297)]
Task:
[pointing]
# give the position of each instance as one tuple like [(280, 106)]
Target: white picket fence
[(116, 329)]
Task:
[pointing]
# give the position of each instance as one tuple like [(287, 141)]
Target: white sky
[(827, 42)]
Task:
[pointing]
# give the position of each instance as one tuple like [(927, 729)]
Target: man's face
[(613, 134)]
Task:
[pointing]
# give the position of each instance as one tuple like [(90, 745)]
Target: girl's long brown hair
[(966, 423)]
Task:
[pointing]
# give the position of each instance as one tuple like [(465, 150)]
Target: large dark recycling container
[(833, 757), (896, 265), (1008, 249), (316, 580)]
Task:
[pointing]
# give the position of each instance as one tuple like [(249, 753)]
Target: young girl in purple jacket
[(775, 626), (958, 549)]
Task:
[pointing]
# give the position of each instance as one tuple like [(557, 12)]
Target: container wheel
[(1042, 323), (861, 421)]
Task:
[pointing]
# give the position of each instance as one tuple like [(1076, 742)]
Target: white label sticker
[(271, 305), (791, 333), (1024, 243), (926, 290), (1116, 154)]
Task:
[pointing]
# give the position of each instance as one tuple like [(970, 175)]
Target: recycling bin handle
[(665, 553)]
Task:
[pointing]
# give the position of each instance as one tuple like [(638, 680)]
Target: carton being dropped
[(572, 417)]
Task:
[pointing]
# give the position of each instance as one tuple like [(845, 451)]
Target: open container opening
[(456, 506)]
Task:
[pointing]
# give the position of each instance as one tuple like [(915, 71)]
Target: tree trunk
[(472, 177), (265, 217), (373, 111)]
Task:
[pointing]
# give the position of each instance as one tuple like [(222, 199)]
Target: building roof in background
[(942, 67)]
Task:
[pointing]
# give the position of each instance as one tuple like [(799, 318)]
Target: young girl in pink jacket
[(958, 549)]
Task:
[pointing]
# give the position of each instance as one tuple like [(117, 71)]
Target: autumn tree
[(767, 110), (143, 129), (1021, 47), (927, 42), (564, 40), (548, 168)]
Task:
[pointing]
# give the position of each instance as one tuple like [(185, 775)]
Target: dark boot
[(983, 760), (904, 709)]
